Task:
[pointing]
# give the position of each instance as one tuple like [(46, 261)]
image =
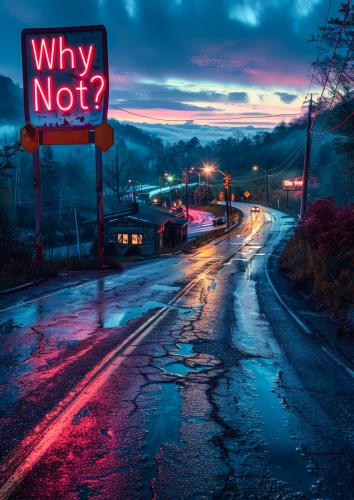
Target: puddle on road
[(121, 317), (183, 349), (252, 335), (165, 288), (214, 285), (181, 369), (286, 463), (163, 423)]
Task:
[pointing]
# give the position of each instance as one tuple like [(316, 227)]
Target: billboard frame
[(63, 30)]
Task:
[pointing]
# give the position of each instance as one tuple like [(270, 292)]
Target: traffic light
[(227, 181)]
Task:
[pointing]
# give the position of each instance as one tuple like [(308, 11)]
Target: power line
[(237, 117), (337, 126), (334, 94), (341, 71), (290, 157), (293, 155), (319, 50), (344, 22)]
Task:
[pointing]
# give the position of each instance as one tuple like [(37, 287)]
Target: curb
[(18, 288)]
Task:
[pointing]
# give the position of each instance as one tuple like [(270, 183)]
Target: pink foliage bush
[(319, 257)]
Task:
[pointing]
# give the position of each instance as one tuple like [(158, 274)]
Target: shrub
[(319, 257)]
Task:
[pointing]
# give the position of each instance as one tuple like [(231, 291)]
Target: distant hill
[(206, 133)]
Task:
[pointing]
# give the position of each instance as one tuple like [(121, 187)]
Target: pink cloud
[(252, 64)]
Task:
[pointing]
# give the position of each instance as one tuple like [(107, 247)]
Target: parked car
[(255, 209), (218, 221)]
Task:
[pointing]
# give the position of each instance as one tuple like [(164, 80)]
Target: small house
[(147, 231)]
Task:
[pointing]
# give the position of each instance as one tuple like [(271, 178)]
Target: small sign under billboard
[(65, 77), (296, 183)]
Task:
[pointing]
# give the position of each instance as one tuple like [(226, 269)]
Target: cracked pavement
[(218, 394)]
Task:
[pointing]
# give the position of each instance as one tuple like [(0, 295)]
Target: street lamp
[(133, 183), (256, 168), (227, 180), (192, 171), (170, 179), (207, 169)]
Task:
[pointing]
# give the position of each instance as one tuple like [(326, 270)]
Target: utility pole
[(38, 191), (187, 191), (306, 171), (77, 234), (117, 178), (266, 178), (100, 214), (227, 180)]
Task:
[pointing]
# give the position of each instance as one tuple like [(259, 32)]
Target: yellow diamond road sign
[(247, 194)]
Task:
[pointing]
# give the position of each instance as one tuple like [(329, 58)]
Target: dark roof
[(148, 214)]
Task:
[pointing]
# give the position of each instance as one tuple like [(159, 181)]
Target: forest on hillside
[(68, 172)]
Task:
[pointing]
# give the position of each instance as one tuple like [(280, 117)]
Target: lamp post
[(227, 185), (169, 178), (133, 183), (256, 168), (207, 169), (192, 171), (186, 181)]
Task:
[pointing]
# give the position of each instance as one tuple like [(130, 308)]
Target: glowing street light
[(256, 168), (208, 168)]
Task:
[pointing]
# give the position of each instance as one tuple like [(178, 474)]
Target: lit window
[(123, 238), (137, 239)]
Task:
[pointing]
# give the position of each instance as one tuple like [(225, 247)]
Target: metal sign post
[(65, 83), (38, 192), (100, 215)]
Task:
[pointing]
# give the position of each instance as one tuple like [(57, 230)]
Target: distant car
[(218, 221), (255, 209)]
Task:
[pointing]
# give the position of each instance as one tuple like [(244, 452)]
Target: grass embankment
[(319, 260)]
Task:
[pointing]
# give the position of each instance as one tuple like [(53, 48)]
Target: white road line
[(302, 325), (129, 273), (294, 316), (34, 446), (338, 361)]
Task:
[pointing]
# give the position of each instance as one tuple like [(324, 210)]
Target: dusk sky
[(188, 59)]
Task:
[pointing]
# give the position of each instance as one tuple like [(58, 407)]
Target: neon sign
[(294, 184), (65, 76)]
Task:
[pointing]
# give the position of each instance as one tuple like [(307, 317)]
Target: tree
[(333, 68), (7, 159), (118, 163), (51, 174)]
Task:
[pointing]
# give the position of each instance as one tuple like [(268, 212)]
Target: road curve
[(199, 381)]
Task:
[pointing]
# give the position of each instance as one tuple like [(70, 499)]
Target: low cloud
[(285, 97), (156, 104), (238, 96)]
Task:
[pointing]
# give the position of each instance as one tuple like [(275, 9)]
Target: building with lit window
[(147, 231)]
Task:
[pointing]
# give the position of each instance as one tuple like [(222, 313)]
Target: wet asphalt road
[(183, 377)]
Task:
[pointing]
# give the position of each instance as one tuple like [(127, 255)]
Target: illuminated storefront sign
[(294, 184), (65, 75)]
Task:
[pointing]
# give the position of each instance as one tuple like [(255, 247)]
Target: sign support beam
[(38, 194), (100, 214)]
